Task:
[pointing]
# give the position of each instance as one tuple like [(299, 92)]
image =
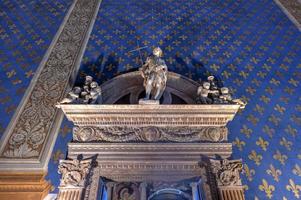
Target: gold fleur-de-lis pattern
[(250, 45), (26, 31)]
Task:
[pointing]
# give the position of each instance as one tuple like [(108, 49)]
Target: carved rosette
[(227, 172), (74, 172), (149, 134)]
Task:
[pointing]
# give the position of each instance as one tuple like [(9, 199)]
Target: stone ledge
[(23, 185)]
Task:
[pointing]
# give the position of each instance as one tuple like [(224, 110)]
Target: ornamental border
[(68, 44)]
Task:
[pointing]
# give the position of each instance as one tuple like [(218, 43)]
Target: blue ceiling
[(26, 31), (250, 45)]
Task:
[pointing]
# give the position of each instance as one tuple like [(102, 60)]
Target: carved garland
[(28, 136), (149, 134)]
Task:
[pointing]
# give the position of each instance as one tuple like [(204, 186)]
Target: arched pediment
[(128, 88)]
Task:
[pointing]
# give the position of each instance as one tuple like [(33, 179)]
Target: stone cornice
[(150, 115)]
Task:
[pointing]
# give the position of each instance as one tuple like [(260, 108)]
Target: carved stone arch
[(131, 84)]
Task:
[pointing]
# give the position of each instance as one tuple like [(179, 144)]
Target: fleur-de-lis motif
[(57, 155), (275, 120), (262, 143), (294, 188), (291, 130), (280, 157), (297, 170), (254, 120), (249, 172), (279, 108), (285, 143), (274, 172), (237, 142), (245, 130), (256, 158), (268, 189), (259, 109), (268, 130)]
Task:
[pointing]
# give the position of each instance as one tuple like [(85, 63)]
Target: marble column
[(109, 186), (231, 193), (194, 187), (73, 182), (143, 195), (227, 174)]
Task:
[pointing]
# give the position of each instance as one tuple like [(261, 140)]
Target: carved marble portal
[(134, 151)]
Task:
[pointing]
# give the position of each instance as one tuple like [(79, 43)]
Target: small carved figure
[(125, 195), (95, 93), (90, 93), (225, 97), (210, 93), (154, 72), (72, 96), (203, 94)]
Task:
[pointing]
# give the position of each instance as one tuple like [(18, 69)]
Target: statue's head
[(206, 85), (88, 80), (93, 84), (77, 90), (225, 90), (157, 52), (210, 78)]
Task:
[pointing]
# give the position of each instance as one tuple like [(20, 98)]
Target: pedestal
[(149, 102)]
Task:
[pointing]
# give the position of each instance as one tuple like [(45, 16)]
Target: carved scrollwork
[(74, 172), (27, 137), (149, 134), (227, 172)]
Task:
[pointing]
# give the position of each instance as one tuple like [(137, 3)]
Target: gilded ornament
[(296, 189), (262, 143), (274, 172), (297, 170), (280, 157), (249, 172), (255, 157), (268, 189)]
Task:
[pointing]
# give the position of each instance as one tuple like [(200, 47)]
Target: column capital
[(74, 172)]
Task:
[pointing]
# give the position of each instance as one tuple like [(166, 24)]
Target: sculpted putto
[(89, 93), (210, 93), (154, 72)]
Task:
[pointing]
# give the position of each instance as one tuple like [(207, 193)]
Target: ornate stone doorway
[(150, 151)]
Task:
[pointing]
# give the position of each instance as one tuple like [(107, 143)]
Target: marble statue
[(154, 73), (89, 93), (209, 93)]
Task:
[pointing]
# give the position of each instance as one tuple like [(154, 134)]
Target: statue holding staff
[(154, 73)]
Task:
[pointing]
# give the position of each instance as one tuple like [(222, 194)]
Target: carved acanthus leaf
[(227, 172), (74, 172)]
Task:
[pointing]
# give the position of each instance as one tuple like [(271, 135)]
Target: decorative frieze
[(149, 134)]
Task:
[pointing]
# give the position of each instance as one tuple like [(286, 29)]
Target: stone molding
[(150, 115), (23, 185), (292, 9), (33, 129), (141, 151)]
